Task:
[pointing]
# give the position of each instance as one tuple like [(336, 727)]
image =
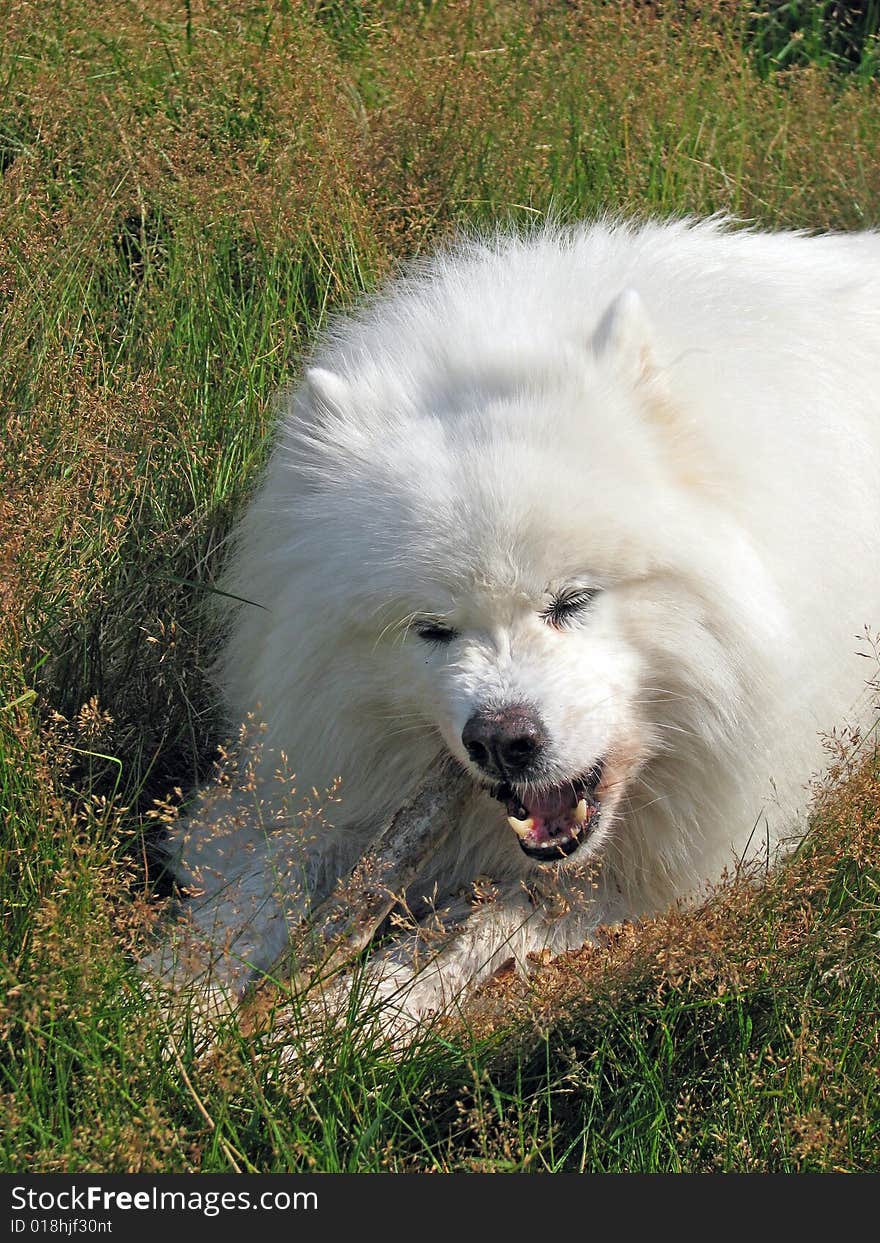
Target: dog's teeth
[(520, 827), (580, 812)]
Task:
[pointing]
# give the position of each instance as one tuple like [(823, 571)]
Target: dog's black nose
[(504, 742)]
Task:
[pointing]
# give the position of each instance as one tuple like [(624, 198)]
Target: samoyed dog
[(596, 512)]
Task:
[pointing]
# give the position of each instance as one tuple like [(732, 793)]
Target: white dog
[(597, 512)]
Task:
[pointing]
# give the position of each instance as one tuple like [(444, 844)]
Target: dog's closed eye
[(566, 605), (432, 630)]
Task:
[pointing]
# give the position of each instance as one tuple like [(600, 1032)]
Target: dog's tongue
[(553, 805), (552, 824)]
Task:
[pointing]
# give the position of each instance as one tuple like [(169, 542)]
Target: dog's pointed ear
[(327, 388), (624, 340), (624, 344)]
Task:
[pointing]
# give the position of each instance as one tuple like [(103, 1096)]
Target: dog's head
[(531, 562)]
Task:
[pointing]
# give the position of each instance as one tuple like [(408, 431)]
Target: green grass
[(187, 192)]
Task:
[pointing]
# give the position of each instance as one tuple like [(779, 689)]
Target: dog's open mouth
[(551, 824)]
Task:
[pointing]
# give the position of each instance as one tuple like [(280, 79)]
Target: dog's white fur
[(682, 416)]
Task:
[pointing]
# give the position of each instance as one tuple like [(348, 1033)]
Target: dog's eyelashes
[(432, 631), (567, 605), (560, 610)]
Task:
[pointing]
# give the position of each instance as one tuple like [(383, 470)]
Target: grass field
[(187, 190)]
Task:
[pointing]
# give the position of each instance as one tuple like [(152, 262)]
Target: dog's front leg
[(423, 974), (251, 875)]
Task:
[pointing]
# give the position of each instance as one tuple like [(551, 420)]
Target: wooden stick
[(345, 922)]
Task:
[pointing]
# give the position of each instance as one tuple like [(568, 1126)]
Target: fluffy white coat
[(681, 421)]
